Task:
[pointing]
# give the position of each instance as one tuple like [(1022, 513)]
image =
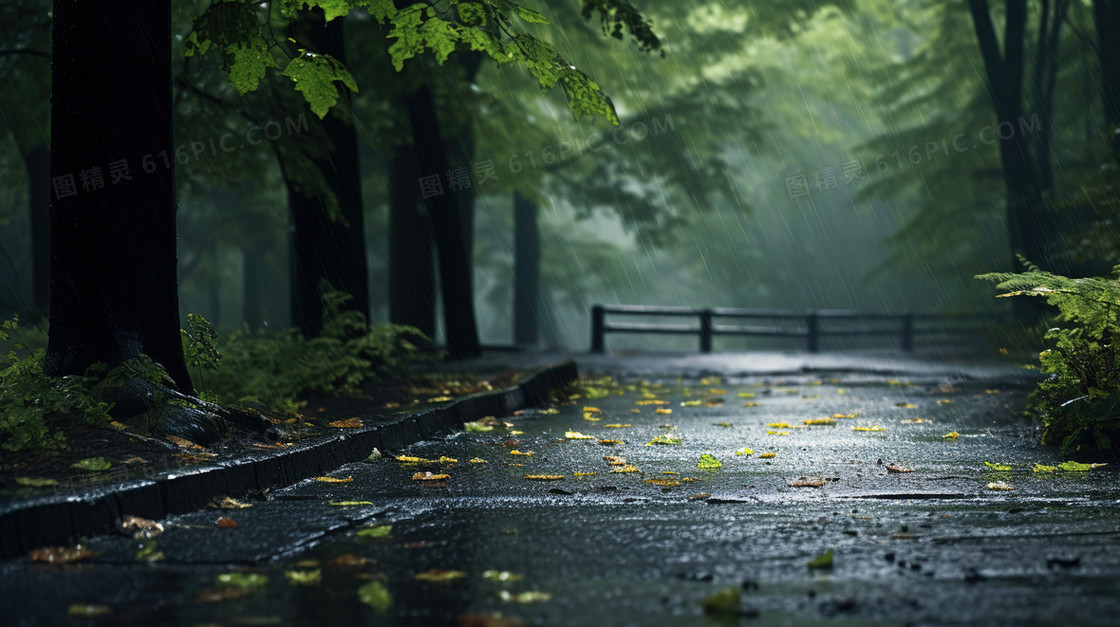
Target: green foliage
[(1079, 402), (276, 370), (200, 345), (29, 398), (235, 30)]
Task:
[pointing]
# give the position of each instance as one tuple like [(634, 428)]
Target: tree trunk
[(37, 161), (325, 247), (113, 291), (1106, 14), (1031, 227), (412, 287), (526, 271), (455, 268)]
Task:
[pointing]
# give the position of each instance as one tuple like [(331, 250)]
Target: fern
[(1079, 401)]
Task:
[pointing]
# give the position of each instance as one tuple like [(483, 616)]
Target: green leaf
[(36, 482), (304, 577), (1001, 467), (664, 440), (531, 16), (824, 560), (315, 75), (331, 8), (708, 462), (724, 601), (375, 595), (245, 581), (1072, 466), (92, 464), (380, 531), (248, 62)]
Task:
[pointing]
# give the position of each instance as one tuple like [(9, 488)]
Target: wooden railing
[(812, 325)]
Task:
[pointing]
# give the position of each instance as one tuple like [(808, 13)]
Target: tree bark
[(1031, 226), (526, 272), (326, 248), (37, 162), (412, 286), (455, 269), (1106, 15), (113, 290)]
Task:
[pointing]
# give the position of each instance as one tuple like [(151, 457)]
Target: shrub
[(1079, 401)]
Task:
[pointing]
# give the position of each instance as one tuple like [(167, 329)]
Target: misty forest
[(250, 203)]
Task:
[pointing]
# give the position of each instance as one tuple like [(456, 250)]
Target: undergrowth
[(1079, 401)]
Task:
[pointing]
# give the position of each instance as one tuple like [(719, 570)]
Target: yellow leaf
[(592, 410), (614, 461), (334, 479), (752, 404), (943, 401), (851, 415), (413, 460), (906, 405), (550, 411), (767, 456), (441, 399), (778, 425), (777, 432), (591, 418), (477, 460), (664, 482), (522, 453), (871, 428), (746, 394), (438, 575), (952, 435), (913, 421), (427, 476), (349, 423), (717, 391), (616, 426), (652, 402), (447, 460), (744, 451), (544, 477), (351, 503), (722, 424), (663, 410), (819, 421), (584, 474), (576, 435), (625, 469), (695, 403)]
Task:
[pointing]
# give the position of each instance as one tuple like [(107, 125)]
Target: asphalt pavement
[(777, 489)]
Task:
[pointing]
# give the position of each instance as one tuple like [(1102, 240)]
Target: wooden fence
[(812, 325)]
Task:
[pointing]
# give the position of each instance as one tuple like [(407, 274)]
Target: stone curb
[(60, 520)]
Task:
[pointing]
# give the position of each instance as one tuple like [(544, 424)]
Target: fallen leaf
[(614, 461), (997, 466), (610, 442), (349, 560), (724, 601), (871, 428), (1072, 466), (141, 528), (441, 399), (61, 554), (477, 427), (350, 503), (409, 459), (778, 425), (182, 442), (225, 522), (824, 560), (427, 476), (652, 402), (245, 581), (443, 459), (584, 474), (1042, 468), (722, 424), (663, 410), (550, 411), (375, 595), (664, 440), (334, 479), (616, 426), (943, 401), (502, 576), (700, 497), (438, 575), (752, 404), (225, 502), (777, 432), (999, 485), (745, 451), (304, 577), (625, 469), (913, 421), (897, 468), (906, 405), (695, 403), (92, 464), (529, 596), (767, 456), (36, 482), (349, 423), (746, 394), (86, 610), (664, 482), (544, 477), (708, 462), (576, 435), (379, 532), (522, 453), (809, 482), (952, 435), (819, 421), (851, 415)]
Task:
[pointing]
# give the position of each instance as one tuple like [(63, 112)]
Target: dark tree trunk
[(1106, 14), (461, 150), (37, 161), (113, 291), (1050, 23), (1031, 226), (526, 271), (455, 268), (325, 247), (412, 287)]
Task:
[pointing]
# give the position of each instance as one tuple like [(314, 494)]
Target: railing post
[(908, 332), (706, 331), (813, 329), (597, 343)]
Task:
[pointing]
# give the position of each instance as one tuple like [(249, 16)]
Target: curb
[(60, 520)]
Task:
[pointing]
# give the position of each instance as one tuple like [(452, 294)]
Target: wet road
[(611, 530)]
